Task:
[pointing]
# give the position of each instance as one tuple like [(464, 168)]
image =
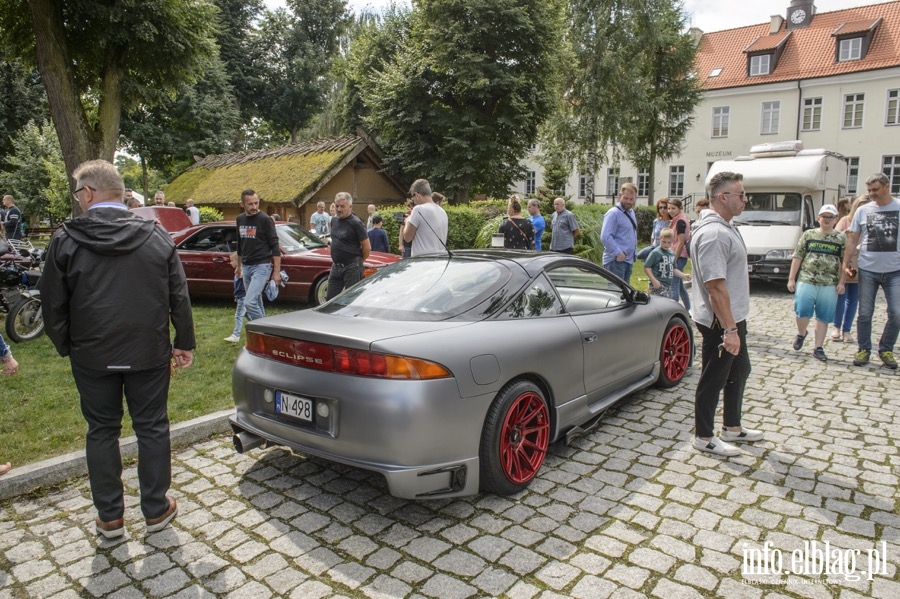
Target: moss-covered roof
[(287, 174)]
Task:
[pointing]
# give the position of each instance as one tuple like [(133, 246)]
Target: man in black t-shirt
[(259, 252), (349, 246)]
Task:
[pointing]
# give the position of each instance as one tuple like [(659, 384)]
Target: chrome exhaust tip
[(244, 441)]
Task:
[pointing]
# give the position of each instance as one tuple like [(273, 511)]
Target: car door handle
[(589, 337), (219, 259)]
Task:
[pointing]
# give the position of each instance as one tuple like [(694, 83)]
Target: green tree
[(201, 119), (22, 99), (96, 58), (373, 40), (235, 26), (630, 88), (293, 53), (36, 175), (461, 100), (664, 111)]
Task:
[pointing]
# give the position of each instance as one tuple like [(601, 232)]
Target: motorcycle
[(19, 295)]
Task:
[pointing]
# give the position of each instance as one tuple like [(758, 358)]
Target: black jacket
[(111, 282)]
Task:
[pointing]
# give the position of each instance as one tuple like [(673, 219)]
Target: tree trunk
[(589, 179), (78, 141), (71, 123), (651, 173), (145, 178)]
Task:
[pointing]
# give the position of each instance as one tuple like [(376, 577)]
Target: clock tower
[(800, 13)]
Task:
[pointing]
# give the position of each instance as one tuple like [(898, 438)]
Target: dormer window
[(759, 64), (850, 49), (764, 52), (852, 40)]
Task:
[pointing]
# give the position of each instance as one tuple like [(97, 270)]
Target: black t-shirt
[(257, 240), (518, 234), (13, 223), (346, 235)]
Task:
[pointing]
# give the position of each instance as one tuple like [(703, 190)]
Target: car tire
[(515, 438), (674, 354), (319, 291)]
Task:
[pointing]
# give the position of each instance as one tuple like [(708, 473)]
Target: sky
[(708, 15)]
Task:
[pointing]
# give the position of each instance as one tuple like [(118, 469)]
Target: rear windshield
[(424, 289), (294, 239)]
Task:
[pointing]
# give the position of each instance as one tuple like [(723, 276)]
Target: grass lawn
[(41, 415)]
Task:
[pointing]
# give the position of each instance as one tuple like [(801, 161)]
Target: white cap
[(829, 208)]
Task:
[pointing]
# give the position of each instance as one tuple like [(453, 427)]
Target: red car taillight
[(342, 360)]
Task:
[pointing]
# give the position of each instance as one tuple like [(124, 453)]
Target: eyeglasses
[(741, 194), (77, 191), (827, 216)]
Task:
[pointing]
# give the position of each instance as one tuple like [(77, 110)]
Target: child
[(239, 295), (660, 265)]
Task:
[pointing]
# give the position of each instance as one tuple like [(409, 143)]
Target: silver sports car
[(450, 375)]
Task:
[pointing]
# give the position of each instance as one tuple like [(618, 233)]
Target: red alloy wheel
[(524, 438), (675, 354)]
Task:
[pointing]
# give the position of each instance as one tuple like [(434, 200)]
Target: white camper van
[(786, 185)]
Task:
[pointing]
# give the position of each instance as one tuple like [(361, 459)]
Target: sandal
[(836, 335), (4, 468)]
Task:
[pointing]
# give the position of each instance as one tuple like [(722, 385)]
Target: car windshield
[(294, 239), (425, 289), (770, 208)]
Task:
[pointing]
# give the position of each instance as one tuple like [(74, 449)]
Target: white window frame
[(854, 105), (770, 118), (582, 185), (812, 114), (892, 111), (721, 121), (676, 180), (850, 49), (612, 181), (530, 181), (890, 166), (852, 174), (760, 64), (643, 184)]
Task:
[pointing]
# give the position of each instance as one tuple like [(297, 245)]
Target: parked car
[(204, 251), (450, 375), (172, 219)]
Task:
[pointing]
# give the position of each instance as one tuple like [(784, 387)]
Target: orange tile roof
[(808, 53), (769, 42)]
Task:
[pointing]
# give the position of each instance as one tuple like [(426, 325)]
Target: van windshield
[(771, 208)]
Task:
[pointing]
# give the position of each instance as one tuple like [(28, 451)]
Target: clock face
[(798, 16)]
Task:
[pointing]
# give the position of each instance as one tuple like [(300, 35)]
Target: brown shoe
[(159, 523), (112, 529)]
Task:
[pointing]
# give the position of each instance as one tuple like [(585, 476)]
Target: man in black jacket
[(112, 281)]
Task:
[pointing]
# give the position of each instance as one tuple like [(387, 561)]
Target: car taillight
[(342, 360), (368, 271)]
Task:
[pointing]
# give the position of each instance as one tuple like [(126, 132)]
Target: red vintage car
[(204, 251)]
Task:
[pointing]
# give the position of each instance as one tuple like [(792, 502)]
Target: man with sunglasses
[(720, 306), (817, 259)]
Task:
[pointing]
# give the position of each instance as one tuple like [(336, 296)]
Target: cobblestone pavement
[(627, 510)]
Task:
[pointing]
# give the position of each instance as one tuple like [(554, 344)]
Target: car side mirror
[(640, 297)]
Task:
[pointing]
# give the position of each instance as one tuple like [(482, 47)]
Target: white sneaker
[(716, 446), (745, 434), (232, 339)]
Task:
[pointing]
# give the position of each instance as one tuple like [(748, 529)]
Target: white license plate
[(294, 405)]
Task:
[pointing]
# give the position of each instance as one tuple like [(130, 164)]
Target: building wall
[(870, 143)]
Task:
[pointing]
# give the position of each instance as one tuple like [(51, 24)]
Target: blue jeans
[(620, 269), (678, 290), (846, 307), (239, 312), (256, 276), (642, 255), (869, 282)]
